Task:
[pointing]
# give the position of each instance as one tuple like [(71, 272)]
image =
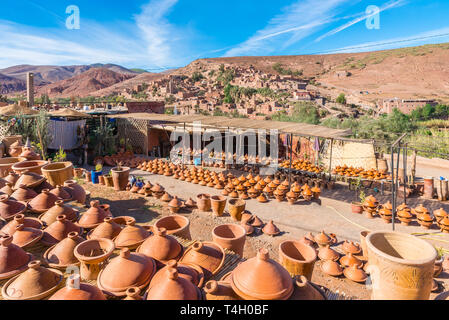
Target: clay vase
[(76, 191), (218, 204), (203, 202), (297, 258), (306, 290), (191, 272), (23, 194), (208, 255), (59, 230), (120, 177), (131, 236), (61, 255), (59, 209), (363, 235), (93, 217), (10, 208), (126, 271), (173, 287), (61, 193), (231, 237), (44, 201), (219, 290), (409, 261), (75, 291), (26, 237), (92, 254), (236, 208), (175, 225), (29, 222), (13, 259), (261, 278), (161, 247), (107, 229)]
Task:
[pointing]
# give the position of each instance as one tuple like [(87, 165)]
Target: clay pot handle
[(263, 254), (6, 241), (172, 273), (130, 222), (72, 235), (46, 191), (34, 264), (61, 218), (211, 287), (95, 203), (133, 292), (108, 220), (125, 253), (19, 218), (162, 232), (59, 203), (73, 280), (197, 246), (301, 281), (172, 264)]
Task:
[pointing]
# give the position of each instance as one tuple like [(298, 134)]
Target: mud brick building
[(145, 106)]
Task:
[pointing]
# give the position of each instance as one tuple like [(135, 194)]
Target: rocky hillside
[(9, 84)]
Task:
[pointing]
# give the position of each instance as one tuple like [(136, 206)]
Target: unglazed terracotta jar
[(9, 208), (173, 287), (261, 278), (61, 255), (218, 204), (230, 236), (76, 290), (203, 202), (59, 209), (59, 230), (36, 283), (108, 229), (297, 258), (126, 271), (219, 290), (26, 237), (190, 271), (13, 259), (76, 191), (44, 201), (208, 255), (131, 236), (409, 262), (29, 222), (175, 225), (92, 254), (92, 217), (236, 208)]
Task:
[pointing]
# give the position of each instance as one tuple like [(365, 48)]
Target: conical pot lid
[(29, 179), (59, 230), (12, 178), (306, 290), (10, 227), (93, 216), (108, 230), (58, 209), (262, 278), (208, 255), (22, 193), (351, 247), (61, 193), (34, 284), (271, 229), (10, 208), (7, 190), (327, 253), (44, 201), (125, 271), (61, 254), (161, 247), (131, 236), (76, 290), (175, 202), (13, 259), (256, 222), (190, 271), (355, 273), (25, 237), (173, 287)]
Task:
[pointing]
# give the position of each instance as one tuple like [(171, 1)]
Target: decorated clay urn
[(173, 287), (261, 278), (161, 247), (22, 193), (9, 208), (44, 201), (59, 230), (131, 236), (76, 290), (13, 259), (29, 222), (93, 217), (125, 271), (76, 191), (61, 254), (107, 229), (59, 209)]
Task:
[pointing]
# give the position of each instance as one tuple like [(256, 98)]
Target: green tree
[(341, 99)]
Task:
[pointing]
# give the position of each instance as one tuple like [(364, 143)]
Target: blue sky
[(161, 34)]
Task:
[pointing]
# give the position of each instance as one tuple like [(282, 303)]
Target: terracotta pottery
[(331, 268), (297, 258), (29, 179), (33, 166), (247, 283), (76, 191), (219, 290), (44, 201), (173, 287), (203, 202), (75, 290), (363, 235), (409, 261), (7, 163), (92, 254), (15, 149), (157, 191), (351, 247), (271, 229), (236, 208), (11, 178), (306, 290), (61, 255), (26, 237), (175, 225), (29, 222), (61, 193), (161, 247), (218, 204), (327, 253), (248, 228), (189, 271), (120, 177), (350, 260), (262, 198), (59, 230), (131, 236), (8, 189), (256, 222), (10, 208), (355, 273), (29, 154), (166, 197), (175, 205), (356, 207), (107, 229), (93, 217), (58, 172), (190, 203), (230, 236), (24, 194), (13, 259), (208, 255), (125, 271), (323, 239), (59, 209)]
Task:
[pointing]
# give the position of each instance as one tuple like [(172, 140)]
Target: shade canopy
[(13, 110)]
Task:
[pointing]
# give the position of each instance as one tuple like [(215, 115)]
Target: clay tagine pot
[(327, 253), (59, 209), (208, 255), (133, 293), (175, 205), (13, 259), (131, 236), (9, 208), (271, 229), (24, 194), (92, 254), (61, 193), (247, 283), (61, 255), (76, 290), (59, 230), (26, 237), (306, 290), (350, 260), (351, 247), (43, 202), (29, 222), (108, 229), (93, 217), (219, 290), (331, 268), (29, 180), (76, 191), (126, 271), (355, 273), (173, 287), (190, 271)]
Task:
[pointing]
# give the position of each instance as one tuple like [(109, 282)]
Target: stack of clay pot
[(370, 206), (442, 216), (307, 192), (371, 174), (404, 214), (424, 217), (302, 165), (386, 212)]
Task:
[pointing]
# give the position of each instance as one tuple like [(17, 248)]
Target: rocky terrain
[(10, 84)]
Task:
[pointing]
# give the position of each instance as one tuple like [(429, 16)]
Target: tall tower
[(30, 89)]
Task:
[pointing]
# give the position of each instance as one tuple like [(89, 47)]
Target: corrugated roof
[(301, 129)]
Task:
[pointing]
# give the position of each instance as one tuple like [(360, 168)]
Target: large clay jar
[(36, 283), (261, 278), (131, 236), (24, 194), (44, 201), (76, 191), (13, 259), (173, 287), (190, 271), (120, 177), (92, 254), (230, 236), (34, 166), (93, 217), (58, 172), (306, 290), (161, 247), (10, 208), (297, 258), (218, 204), (57, 210), (401, 266), (59, 230), (61, 255), (203, 202), (76, 290), (108, 229), (219, 290), (28, 222), (208, 255), (236, 208), (126, 271), (175, 225)]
